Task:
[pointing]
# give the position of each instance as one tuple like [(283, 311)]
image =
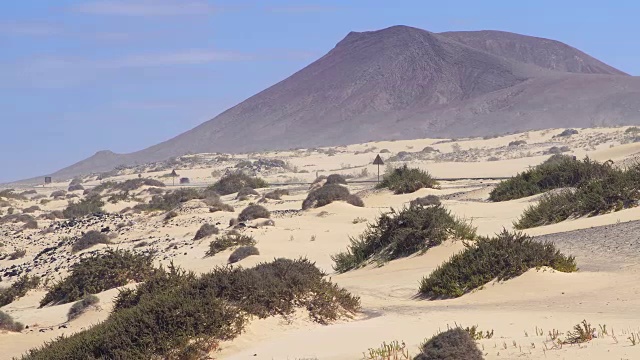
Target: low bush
[(242, 253), (252, 212), (558, 171), (404, 180), (18, 289), (53, 215), (31, 209), (276, 194), (221, 207), (170, 200), (82, 306), (245, 192), (227, 241), (429, 200), (502, 257), (102, 272), (402, 233), (58, 194), (11, 194), (232, 183), (517, 143), (336, 179), (89, 239), (178, 315), (17, 254), (75, 187), (453, 344), (205, 231), (170, 215), (619, 189), (555, 150), (8, 324), (329, 193), (30, 224), (86, 206), (134, 184), (567, 132)]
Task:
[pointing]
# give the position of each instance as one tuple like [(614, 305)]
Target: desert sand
[(520, 311)]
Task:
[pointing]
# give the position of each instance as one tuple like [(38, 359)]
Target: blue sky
[(77, 77)]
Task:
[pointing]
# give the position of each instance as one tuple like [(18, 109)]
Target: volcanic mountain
[(402, 83)]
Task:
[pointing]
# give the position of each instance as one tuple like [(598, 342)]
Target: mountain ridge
[(403, 82)]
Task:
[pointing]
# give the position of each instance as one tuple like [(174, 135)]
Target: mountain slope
[(403, 82), (549, 54)]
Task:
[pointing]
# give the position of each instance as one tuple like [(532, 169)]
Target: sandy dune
[(604, 291)]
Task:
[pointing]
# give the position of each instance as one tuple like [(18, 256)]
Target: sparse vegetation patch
[(233, 183), (99, 273), (559, 171), (89, 239), (616, 190), (227, 241), (179, 315), (402, 233), (329, 193), (502, 257), (404, 180), (453, 344)]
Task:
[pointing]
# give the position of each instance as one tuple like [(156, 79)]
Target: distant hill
[(401, 83)]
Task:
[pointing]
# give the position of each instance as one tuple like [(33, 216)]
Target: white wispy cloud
[(145, 7)]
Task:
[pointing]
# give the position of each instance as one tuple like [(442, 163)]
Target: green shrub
[(252, 212), (30, 224), (8, 324), (399, 234), (404, 180), (632, 130), (503, 257), (428, 200), (86, 206), (245, 192), (178, 315), (336, 179), (276, 194), (517, 143), (557, 172), (89, 239), (205, 231), (18, 289), (10, 194), (233, 183), (274, 288), (329, 193), (75, 187), (171, 200), (31, 209), (81, 306), (617, 190), (170, 215), (221, 207), (453, 344), (242, 253), (99, 273), (58, 194), (17, 254), (134, 184), (227, 241)]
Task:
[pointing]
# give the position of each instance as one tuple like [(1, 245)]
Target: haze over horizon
[(84, 76)]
